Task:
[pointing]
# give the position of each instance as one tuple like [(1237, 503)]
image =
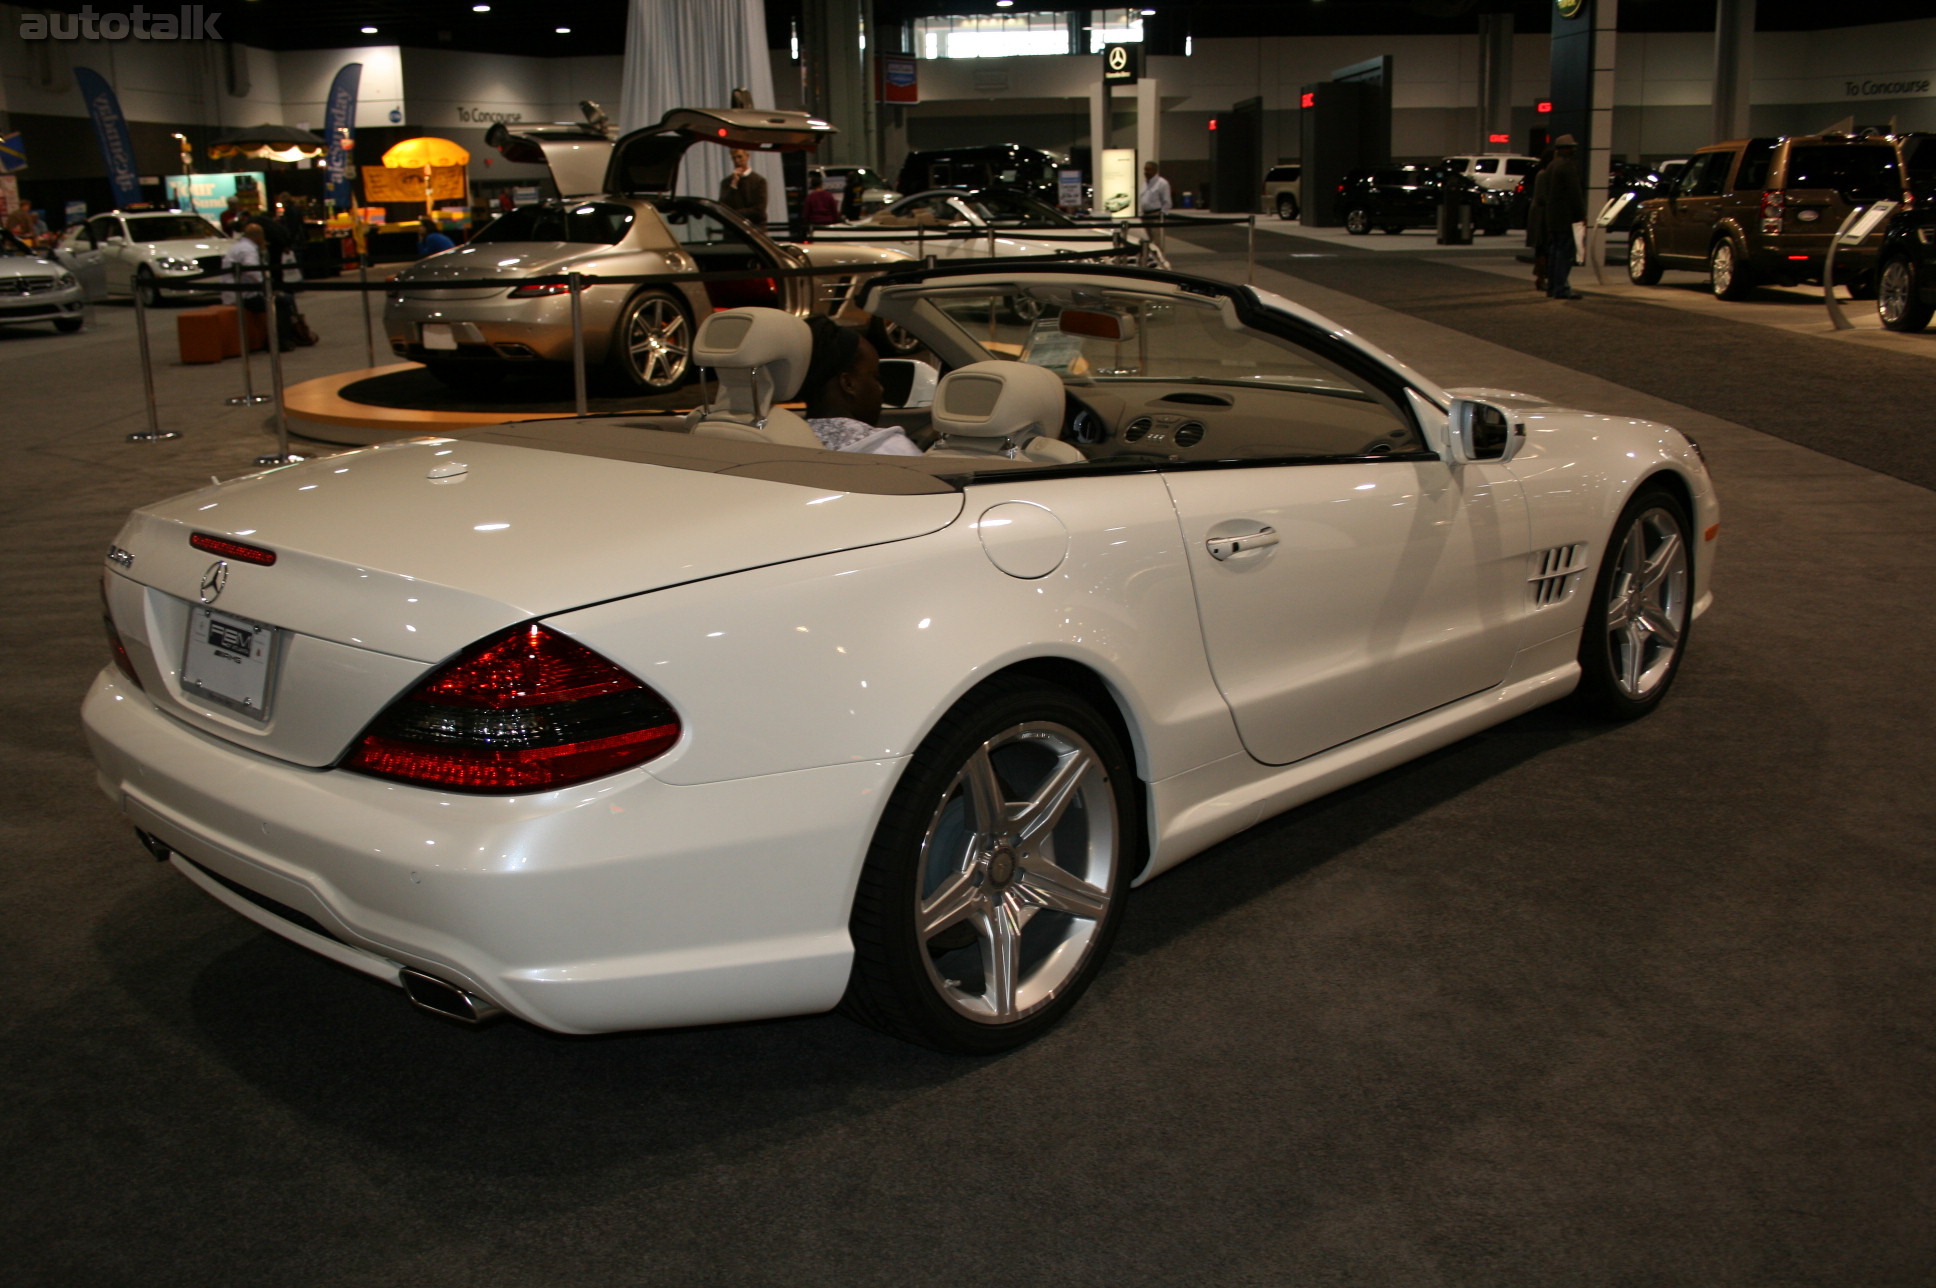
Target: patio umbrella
[(279, 142), (414, 154)]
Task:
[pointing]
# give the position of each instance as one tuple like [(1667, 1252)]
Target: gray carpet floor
[(1561, 1004)]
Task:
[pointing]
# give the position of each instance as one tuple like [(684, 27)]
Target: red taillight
[(528, 710), (1772, 204), (533, 290), (232, 549), (122, 661)]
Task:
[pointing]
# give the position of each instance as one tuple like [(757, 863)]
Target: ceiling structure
[(598, 26)]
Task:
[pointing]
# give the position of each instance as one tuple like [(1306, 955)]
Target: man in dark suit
[(1559, 198), (743, 191)]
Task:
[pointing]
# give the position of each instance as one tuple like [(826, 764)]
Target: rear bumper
[(625, 903)]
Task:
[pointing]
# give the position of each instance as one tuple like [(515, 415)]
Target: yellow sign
[(382, 185), (1569, 8)]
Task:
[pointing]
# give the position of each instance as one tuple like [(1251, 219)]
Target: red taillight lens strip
[(232, 549), (527, 710), (536, 290), (122, 661)]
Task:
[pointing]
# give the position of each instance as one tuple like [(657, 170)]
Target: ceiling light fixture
[(480, 8), (369, 31), (563, 31)]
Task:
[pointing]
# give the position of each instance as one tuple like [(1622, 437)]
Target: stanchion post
[(282, 455), (578, 346), (1250, 249), (249, 397), (154, 433), (1837, 318)]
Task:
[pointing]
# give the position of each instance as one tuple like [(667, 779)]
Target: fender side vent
[(1555, 572)]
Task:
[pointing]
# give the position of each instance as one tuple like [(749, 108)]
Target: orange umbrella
[(415, 154)]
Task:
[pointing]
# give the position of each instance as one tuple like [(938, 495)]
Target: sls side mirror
[(1481, 431), (907, 382)]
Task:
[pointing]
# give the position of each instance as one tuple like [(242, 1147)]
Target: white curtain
[(695, 53)]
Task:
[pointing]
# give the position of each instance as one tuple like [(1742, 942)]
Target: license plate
[(229, 660), (438, 335)]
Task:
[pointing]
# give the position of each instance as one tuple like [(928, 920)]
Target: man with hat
[(1560, 197)]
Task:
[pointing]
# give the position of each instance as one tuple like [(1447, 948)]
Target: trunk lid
[(383, 569), (442, 277)]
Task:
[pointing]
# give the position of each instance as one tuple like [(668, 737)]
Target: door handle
[(1222, 548)]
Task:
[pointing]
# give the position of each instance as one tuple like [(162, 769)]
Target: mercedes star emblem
[(214, 579)]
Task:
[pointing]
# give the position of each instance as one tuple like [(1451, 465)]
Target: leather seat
[(1010, 410), (759, 356)]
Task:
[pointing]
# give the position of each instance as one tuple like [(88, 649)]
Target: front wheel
[(996, 880), (652, 344), (147, 288), (1727, 275), (1637, 622), (1643, 266), (1357, 221), (1899, 301)]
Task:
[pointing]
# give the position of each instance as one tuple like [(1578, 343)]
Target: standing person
[(232, 216), (1560, 196), (1536, 222), (275, 236), (1155, 201), (743, 191), (821, 207), (250, 252)]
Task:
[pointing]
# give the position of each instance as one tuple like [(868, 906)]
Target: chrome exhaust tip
[(447, 1000)]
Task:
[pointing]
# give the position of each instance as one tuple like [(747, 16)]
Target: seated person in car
[(843, 392)]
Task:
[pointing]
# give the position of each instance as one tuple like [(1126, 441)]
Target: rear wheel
[(1392, 230), (652, 344), (1643, 266), (996, 881), (1899, 296), (1357, 221), (1727, 276), (1286, 206), (1637, 622)]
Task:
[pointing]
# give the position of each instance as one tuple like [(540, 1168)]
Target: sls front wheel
[(995, 883)]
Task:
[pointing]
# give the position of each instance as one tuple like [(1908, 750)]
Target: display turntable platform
[(403, 400)]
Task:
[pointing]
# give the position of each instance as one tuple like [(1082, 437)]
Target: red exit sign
[(1544, 105), (1310, 99), (1499, 138)]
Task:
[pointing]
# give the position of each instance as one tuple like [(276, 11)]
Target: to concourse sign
[(1121, 64)]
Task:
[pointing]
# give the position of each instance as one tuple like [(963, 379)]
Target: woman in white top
[(843, 393)]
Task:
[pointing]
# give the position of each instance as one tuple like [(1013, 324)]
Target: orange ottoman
[(200, 334)]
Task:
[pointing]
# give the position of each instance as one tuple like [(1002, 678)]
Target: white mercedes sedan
[(637, 722)]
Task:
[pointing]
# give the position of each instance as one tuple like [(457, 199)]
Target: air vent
[(1195, 399), (1189, 433), (1555, 572), (1136, 429)]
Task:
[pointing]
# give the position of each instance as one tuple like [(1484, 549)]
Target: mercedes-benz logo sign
[(214, 580), (1118, 58)]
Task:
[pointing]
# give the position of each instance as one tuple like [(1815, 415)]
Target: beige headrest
[(1012, 400), (740, 339)]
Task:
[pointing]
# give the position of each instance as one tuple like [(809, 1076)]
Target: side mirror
[(907, 382), (1480, 431)]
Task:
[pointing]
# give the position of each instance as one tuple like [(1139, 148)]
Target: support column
[(1149, 124), (1099, 110), (1734, 24), (839, 85), (1495, 78)]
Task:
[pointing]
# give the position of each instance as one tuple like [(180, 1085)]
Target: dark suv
[(1906, 262), (999, 165), (1765, 210), (1397, 197)]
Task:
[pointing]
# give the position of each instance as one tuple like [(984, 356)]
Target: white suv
[(1494, 170)]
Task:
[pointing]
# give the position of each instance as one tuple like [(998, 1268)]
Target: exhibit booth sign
[(208, 194)]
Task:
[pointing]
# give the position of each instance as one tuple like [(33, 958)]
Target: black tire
[(1899, 301), (1643, 265), (1286, 206), (147, 288), (1863, 286), (1035, 907), (651, 346), (1357, 221), (67, 326), (1638, 621), (891, 341), (1392, 230), (469, 377), (1727, 268)]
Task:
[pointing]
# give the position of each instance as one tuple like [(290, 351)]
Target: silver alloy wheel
[(1720, 262), (1018, 870), (1638, 250), (657, 344), (1357, 220), (1646, 603), (1893, 292)]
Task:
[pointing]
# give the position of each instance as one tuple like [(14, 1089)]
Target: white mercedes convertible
[(636, 722)]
